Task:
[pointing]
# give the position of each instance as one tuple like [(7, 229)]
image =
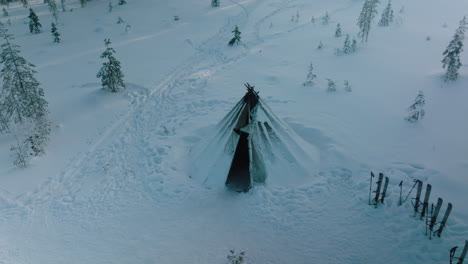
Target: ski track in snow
[(125, 173)]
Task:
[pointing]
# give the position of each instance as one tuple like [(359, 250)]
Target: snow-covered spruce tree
[(369, 11), (25, 3), (310, 76), (214, 3), (110, 72), (5, 12), (237, 37), (325, 19), (22, 100), (83, 3), (331, 86), (451, 58), (347, 45), (338, 31), (34, 25), (110, 6), (120, 20), (55, 33), (416, 109), (122, 2), (312, 20), (347, 86), (53, 9), (387, 15)]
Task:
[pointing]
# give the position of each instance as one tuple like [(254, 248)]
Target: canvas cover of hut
[(252, 146)]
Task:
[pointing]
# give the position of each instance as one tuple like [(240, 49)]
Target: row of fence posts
[(421, 208)]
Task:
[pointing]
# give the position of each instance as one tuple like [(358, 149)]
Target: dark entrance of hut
[(239, 178)]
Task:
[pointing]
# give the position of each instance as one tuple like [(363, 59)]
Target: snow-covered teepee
[(252, 146)]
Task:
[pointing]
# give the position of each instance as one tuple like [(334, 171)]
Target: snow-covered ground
[(114, 186)]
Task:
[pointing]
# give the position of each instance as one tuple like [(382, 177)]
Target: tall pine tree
[(451, 58), (22, 100), (34, 25), (369, 11), (110, 72)]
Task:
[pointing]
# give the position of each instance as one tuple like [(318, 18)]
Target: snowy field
[(115, 185)]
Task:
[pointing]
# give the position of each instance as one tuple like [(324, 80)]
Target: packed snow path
[(128, 199)]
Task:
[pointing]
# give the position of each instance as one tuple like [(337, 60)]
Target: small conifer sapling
[(331, 87), (237, 37), (347, 45), (320, 45), (325, 19), (236, 258), (416, 111), (347, 86), (214, 3), (110, 73), (34, 25), (353, 45), (310, 76), (127, 28), (338, 31), (55, 33)]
